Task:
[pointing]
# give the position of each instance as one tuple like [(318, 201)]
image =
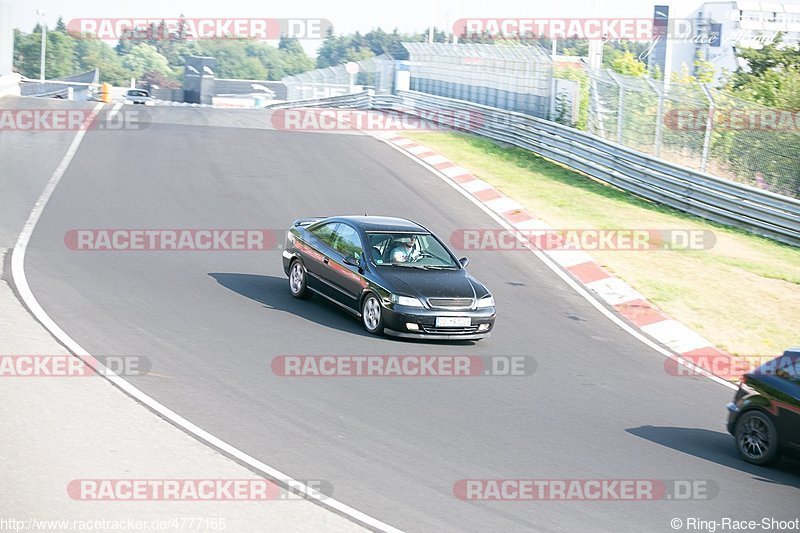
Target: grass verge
[(743, 294)]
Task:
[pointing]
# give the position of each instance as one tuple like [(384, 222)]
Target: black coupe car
[(765, 413), (394, 274)]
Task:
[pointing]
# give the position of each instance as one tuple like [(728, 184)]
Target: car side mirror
[(352, 261), (464, 262)]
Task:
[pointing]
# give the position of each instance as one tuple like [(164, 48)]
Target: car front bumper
[(397, 318), (733, 414)]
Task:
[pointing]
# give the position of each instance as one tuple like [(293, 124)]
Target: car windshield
[(137, 93), (414, 250), (787, 366)]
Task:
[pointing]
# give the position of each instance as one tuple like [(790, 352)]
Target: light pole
[(433, 18), (41, 13)]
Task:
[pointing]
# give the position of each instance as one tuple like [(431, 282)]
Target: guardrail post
[(709, 128), (597, 116), (659, 116), (552, 100), (620, 106)]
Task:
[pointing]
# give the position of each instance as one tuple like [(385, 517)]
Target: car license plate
[(453, 321)]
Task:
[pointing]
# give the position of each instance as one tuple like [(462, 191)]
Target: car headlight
[(486, 301), (126, 101), (406, 300)]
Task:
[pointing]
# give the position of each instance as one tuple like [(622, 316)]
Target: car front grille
[(451, 303), (449, 331)]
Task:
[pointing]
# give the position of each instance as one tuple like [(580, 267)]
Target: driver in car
[(406, 252)]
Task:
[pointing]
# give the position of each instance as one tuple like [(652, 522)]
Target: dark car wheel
[(297, 281), (371, 314), (756, 438)]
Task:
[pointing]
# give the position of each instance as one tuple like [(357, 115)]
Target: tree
[(60, 57), (290, 45), (626, 64), (145, 58), (235, 58), (771, 76), (343, 49), (774, 56), (294, 58), (27, 48), (703, 69), (93, 53)]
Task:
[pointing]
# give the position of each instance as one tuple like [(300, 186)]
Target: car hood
[(432, 283)]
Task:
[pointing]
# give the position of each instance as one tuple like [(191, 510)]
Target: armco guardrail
[(362, 100), (723, 201)]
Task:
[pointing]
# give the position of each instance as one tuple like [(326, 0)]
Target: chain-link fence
[(684, 123), (517, 78), (699, 127)]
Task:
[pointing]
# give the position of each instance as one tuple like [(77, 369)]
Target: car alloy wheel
[(297, 280), (371, 314), (756, 438)]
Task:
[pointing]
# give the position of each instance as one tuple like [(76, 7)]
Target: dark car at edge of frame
[(764, 415)]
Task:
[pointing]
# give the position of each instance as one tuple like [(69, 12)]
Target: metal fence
[(686, 123), (720, 200), (518, 78), (699, 127)]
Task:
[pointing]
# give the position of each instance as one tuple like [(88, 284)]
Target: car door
[(317, 256), (348, 279)]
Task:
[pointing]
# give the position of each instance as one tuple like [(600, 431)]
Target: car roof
[(376, 223)]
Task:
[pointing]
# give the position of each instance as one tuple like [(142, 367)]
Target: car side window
[(348, 242), (788, 368), (326, 232)]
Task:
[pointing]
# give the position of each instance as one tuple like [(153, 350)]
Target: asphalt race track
[(599, 406)]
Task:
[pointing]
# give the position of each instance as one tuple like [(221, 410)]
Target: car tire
[(298, 277), (756, 438), (372, 314)]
